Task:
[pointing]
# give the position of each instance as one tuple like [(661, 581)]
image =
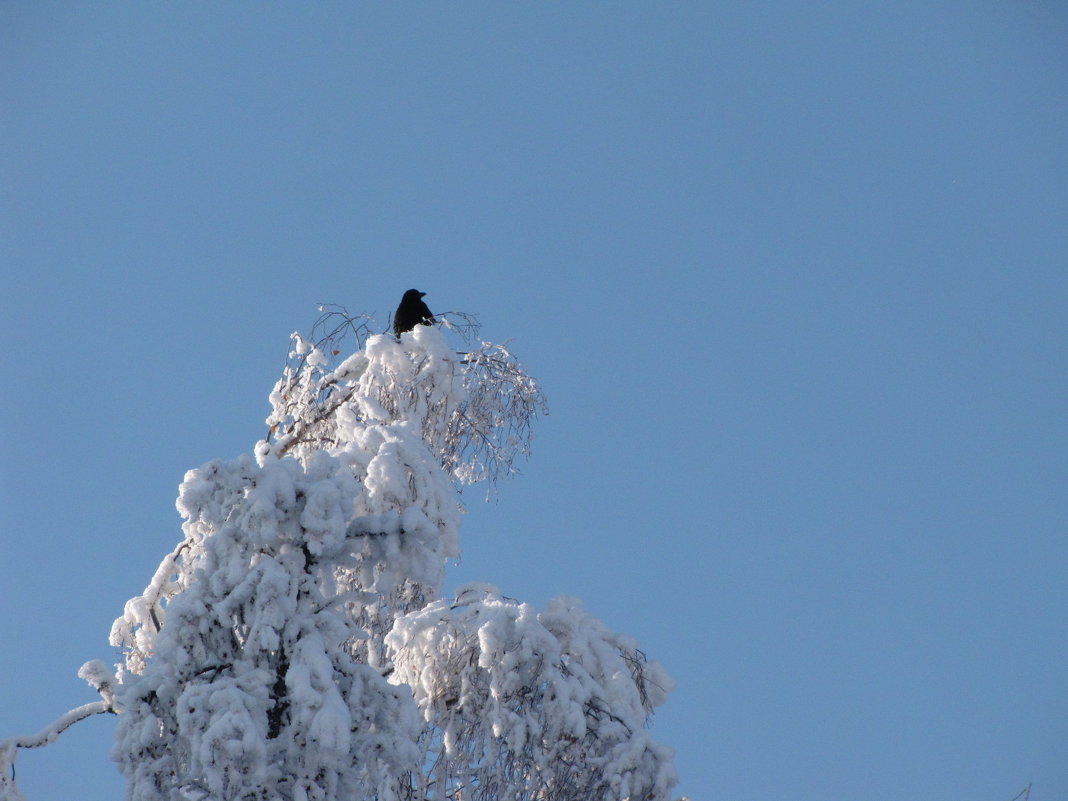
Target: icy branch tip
[(100, 678)]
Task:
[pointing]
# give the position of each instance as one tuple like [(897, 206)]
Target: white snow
[(295, 645)]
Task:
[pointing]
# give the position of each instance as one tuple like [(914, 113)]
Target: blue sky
[(792, 276)]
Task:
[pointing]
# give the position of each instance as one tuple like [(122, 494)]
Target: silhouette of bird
[(411, 312)]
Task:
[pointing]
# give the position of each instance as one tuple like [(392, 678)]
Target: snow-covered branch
[(48, 735), (552, 702), (51, 732), (475, 409)]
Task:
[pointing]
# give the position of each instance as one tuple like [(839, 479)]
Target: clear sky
[(793, 276)]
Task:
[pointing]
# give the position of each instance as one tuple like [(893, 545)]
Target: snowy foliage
[(294, 646), (522, 705), (473, 409), (250, 687)]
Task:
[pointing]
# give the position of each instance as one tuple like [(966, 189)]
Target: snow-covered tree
[(295, 646)]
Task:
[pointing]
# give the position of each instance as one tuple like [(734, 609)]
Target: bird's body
[(411, 312)]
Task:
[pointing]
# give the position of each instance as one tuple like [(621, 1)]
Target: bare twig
[(466, 325)]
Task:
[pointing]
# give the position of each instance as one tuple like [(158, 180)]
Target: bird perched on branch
[(411, 312)]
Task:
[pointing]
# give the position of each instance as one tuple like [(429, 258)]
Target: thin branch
[(47, 735), (295, 434)]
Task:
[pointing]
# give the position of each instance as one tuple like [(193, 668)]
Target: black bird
[(411, 312)]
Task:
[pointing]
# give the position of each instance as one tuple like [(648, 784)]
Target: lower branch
[(47, 735)]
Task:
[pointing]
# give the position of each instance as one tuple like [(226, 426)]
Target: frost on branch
[(473, 409), (101, 679), (526, 705)]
